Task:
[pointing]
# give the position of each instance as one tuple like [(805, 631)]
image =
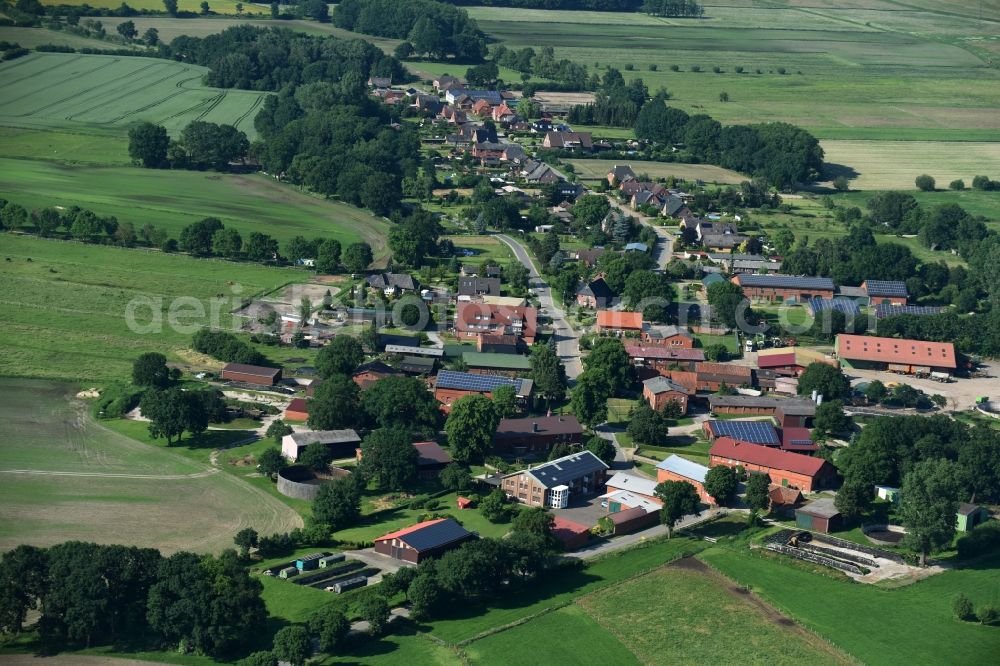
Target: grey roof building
[(563, 471)]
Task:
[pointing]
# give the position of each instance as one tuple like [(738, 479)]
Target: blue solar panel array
[(785, 281), (883, 310), (845, 305), (755, 432), (464, 381), (885, 288)]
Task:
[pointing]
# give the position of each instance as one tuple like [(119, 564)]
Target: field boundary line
[(116, 475)]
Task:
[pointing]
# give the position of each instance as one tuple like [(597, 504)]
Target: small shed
[(633, 520), (288, 572), (571, 534), (297, 410), (329, 560), (463, 502), (819, 515), (887, 493), (970, 515), (308, 562)]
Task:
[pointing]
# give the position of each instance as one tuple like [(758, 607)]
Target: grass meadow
[(171, 200), (63, 304), (876, 625), (72, 90), (857, 79), (678, 610), (76, 479)]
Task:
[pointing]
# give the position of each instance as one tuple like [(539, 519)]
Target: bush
[(652, 67), (962, 607), (988, 615), (979, 541), (782, 70), (738, 69), (629, 67), (695, 68), (956, 185), (675, 68), (717, 69), (924, 183)]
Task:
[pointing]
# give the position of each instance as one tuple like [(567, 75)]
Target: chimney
[(534, 426)]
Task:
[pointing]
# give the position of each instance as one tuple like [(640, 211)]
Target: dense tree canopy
[(432, 28)]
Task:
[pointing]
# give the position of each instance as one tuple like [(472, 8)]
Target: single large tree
[(679, 499), (929, 505), (757, 497), (609, 363), (147, 143), (826, 380), (356, 257), (830, 419), (316, 456), (721, 484), (151, 370), (470, 427), (335, 404), (589, 400), (403, 401), (729, 306), (337, 504), (548, 373), (389, 457), (292, 644), (331, 627), (22, 585), (341, 357), (270, 462)]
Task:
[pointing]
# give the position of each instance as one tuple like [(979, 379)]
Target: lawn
[(697, 451), (876, 625), (172, 200), (598, 170), (484, 248), (581, 641), (727, 341), (77, 91), (376, 524), (67, 477), (672, 611), (72, 147)]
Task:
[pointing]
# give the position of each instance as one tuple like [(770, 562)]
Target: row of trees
[(673, 8), (544, 65), (81, 224), (201, 145), (781, 154), (89, 595), (589, 5), (430, 28), (943, 227)]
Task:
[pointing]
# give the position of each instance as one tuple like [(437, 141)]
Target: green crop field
[(69, 90), (876, 625), (63, 305), (66, 477), (857, 80), (598, 170), (172, 200)]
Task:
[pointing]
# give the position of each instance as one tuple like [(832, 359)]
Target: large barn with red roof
[(785, 468), (896, 354), (427, 539)]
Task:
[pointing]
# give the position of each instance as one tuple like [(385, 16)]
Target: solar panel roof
[(438, 534), (754, 432), (789, 281), (464, 381), (885, 288), (845, 305), (883, 310)]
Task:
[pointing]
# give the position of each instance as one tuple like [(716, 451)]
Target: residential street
[(567, 338), (664, 249)]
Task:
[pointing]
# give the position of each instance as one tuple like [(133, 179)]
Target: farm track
[(181, 91), (214, 102), (253, 107), (116, 475)]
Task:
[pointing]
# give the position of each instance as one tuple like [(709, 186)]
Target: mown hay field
[(173, 199), (66, 477), (598, 170), (886, 165), (63, 305), (70, 90)]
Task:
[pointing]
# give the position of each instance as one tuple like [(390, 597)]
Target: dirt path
[(772, 615), (71, 660)]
